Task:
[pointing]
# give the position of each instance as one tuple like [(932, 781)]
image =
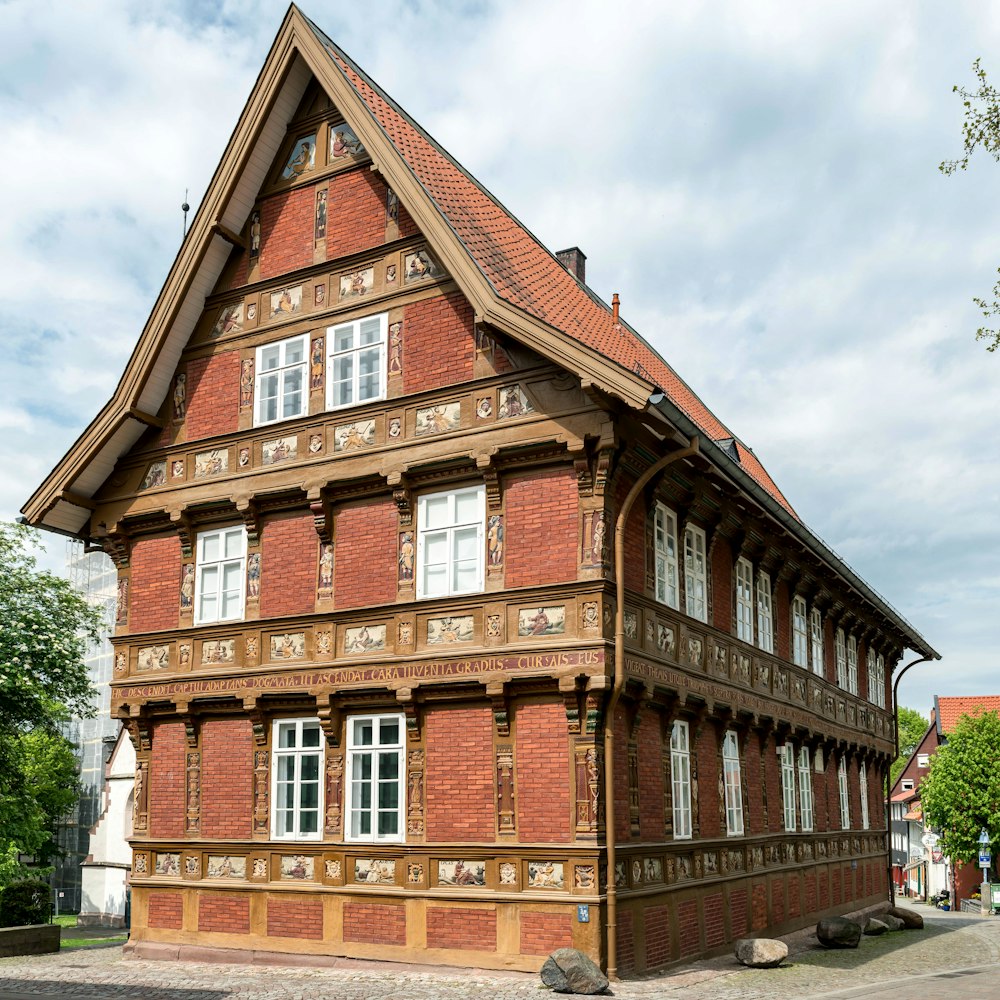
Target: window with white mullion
[(450, 542), (816, 640), (845, 799), (220, 557), (744, 600), (840, 655), (788, 785), (680, 776), (880, 680), (733, 784), (665, 552), (296, 786), (765, 613), (695, 573), (375, 772), (356, 361), (800, 634), (805, 790), (280, 381), (863, 787), (852, 664)]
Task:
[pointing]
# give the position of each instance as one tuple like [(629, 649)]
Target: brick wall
[(777, 901), (738, 912), (657, 923), (756, 748), (824, 889), (541, 528), (213, 395), (811, 901), (706, 749), (543, 933), (286, 231), (794, 896), (355, 213), (438, 343), (722, 584), (772, 776), (167, 780), (459, 779), (450, 927), (229, 914), (715, 924), (364, 566), (166, 909), (226, 778), (374, 923), (620, 791), (829, 654), (650, 743), (288, 566), (295, 919), (155, 588), (542, 777), (836, 893), (783, 620), (758, 907), (626, 941), (635, 538), (407, 227), (687, 923)]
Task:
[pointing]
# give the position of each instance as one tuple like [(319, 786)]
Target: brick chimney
[(575, 261)]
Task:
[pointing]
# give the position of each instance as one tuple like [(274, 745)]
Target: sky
[(758, 181)]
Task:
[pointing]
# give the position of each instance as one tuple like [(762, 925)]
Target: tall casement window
[(356, 362), (733, 784), (219, 582), (280, 381), (665, 545), (840, 655), (787, 756), (680, 775), (450, 542), (800, 633), (805, 790), (375, 772), (744, 600), (852, 664), (816, 640), (876, 678), (695, 573), (765, 613), (296, 789), (863, 784), (845, 801)]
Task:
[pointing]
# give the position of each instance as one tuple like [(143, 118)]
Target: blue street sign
[(583, 913), (984, 859)]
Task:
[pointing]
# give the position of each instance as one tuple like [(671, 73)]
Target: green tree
[(912, 726), (980, 130), (45, 626), (961, 793)]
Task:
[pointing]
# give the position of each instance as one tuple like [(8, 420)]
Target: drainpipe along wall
[(616, 690)]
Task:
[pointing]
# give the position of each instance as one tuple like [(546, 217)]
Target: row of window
[(754, 607)]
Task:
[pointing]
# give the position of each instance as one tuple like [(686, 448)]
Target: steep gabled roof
[(949, 710)]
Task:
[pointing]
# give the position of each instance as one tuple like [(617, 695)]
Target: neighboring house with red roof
[(452, 626)]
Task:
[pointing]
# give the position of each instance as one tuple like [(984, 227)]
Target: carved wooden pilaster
[(330, 717), (411, 712), (140, 802), (584, 475), (402, 499), (594, 718), (494, 489), (571, 699), (500, 703), (117, 545), (192, 797), (633, 787), (261, 792), (322, 515), (506, 803), (603, 469), (181, 523), (249, 513), (666, 770), (334, 815), (415, 806), (258, 721), (588, 760)]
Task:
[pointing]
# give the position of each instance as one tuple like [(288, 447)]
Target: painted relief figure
[(226, 866), (396, 349), (316, 362), (325, 581), (406, 554), (279, 450), (513, 403), (420, 265), (450, 629), (286, 302), (167, 864), (375, 871), (366, 639), (288, 646), (230, 320), (319, 229), (246, 382), (302, 158), (153, 658), (296, 866), (597, 537), (545, 875), (253, 575), (390, 274), (180, 396), (254, 235), (343, 142), (121, 606), (355, 283), (319, 295), (211, 463), (244, 458), (462, 872), (315, 443), (494, 540), (156, 475), (438, 419), (177, 468), (350, 437), (187, 585), (218, 651), (543, 621), (391, 205), (251, 312)]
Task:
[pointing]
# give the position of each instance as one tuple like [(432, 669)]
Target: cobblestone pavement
[(955, 953)]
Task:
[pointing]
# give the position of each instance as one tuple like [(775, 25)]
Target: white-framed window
[(845, 800), (296, 779), (923, 760), (805, 790), (680, 776), (733, 784), (863, 786), (816, 640), (376, 788), (220, 557), (765, 613), (906, 785), (695, 573), (450, 542), (840, 655), (876, 678), (356, 365), (665, 552), (280, 381), (852, 664), (800, 634), (787, 754), (744, 599)]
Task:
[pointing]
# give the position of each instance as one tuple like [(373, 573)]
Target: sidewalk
[(955, 952)]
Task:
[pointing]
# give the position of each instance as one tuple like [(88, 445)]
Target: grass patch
[(90, 942)]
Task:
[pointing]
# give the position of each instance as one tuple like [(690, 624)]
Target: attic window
[(728, 445), (906, 784)]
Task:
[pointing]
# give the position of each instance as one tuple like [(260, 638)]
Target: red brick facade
[(226, 778), (438, 345), (449, 927), (289, 554), (299, 919), (375, 923), (542, 774), (213, 395), (155, 584), (167, 780), (543, 933), (365, 568), (228, 914), (542, 514)]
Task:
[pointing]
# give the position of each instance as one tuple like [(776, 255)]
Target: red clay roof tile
[(951, 709)]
